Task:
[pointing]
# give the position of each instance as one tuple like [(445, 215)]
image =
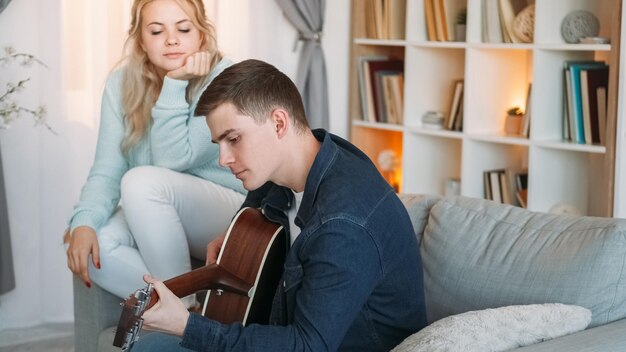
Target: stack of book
[(381, 86), (506, 186), (433, 120), (385, 19), (525, 125), (521, 188), (585, 85)]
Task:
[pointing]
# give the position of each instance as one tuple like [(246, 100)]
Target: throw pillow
[(498, 329)]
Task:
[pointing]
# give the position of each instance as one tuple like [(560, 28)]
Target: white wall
[(44, 172)]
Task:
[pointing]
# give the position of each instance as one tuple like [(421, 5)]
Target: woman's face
[(167, 35)]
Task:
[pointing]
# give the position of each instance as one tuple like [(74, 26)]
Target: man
[(352, 279)]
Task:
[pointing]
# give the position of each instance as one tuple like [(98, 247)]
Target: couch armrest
[(604, 338), (94, 310)]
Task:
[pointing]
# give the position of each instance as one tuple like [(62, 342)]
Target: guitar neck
[(210, 277)]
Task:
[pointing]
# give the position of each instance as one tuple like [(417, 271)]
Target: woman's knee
[(115, 233), (144, 182)]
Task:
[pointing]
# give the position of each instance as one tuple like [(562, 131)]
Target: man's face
[(246, 148)]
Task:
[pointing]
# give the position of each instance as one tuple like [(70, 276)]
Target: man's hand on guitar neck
[(168, 314), (213, 249)]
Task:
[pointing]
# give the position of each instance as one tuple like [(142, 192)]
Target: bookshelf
[(496, 76)]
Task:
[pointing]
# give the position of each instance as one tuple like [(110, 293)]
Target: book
[(429, 13), (601, 97), (569, 103), (505, 188), (525, 125), (584, 97), (396, 84), (521, 180), (521, 187), (591, 80), (487, 185), (458, 119), (522, 197), (440, 25), (457, 93), (380, 101), (565, 127), (496, 188)]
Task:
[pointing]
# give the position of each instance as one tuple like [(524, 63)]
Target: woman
[(152, 152)]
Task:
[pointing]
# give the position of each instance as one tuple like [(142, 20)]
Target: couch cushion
[(418, 207), (498, 329), (479, 254)]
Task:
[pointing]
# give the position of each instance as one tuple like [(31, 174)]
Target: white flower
[(10, 110)]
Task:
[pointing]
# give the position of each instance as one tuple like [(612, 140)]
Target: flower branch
[(10, 109)]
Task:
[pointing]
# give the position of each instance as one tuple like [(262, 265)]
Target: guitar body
[(242, 283), (254, 250)]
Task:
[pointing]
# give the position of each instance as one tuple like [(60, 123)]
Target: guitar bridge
[(130, 324)]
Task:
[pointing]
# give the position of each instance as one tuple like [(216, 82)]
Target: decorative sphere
[(524, 24), (578, 24), (387, 160)]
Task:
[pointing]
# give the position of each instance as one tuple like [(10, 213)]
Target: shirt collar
[(322, 163)]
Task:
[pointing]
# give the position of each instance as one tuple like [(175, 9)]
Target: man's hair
[(255, 88)]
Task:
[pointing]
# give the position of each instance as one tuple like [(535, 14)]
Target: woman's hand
[(83, 243), (168, 314), (213, 249), (196, 65)]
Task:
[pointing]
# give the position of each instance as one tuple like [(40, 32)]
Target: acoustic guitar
[(241, 283)]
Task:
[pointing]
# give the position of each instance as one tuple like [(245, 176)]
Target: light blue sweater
[(177, 140)]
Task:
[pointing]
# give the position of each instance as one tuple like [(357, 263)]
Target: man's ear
[(280, 119)]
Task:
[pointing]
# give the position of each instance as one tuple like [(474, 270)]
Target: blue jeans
[(157, 341)]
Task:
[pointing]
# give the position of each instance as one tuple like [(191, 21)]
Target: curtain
[(4, 4), (307, 16), (7, 278)]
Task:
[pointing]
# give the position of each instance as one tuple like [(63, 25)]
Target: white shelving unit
[(496, 77)]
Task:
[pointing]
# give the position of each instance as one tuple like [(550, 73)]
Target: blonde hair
[(141, 84)]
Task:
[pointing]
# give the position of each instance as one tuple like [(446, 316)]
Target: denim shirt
[(352, 279)]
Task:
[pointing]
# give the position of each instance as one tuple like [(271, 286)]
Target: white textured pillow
[(498, 329)]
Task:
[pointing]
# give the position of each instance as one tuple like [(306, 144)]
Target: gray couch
[(476, 255)]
